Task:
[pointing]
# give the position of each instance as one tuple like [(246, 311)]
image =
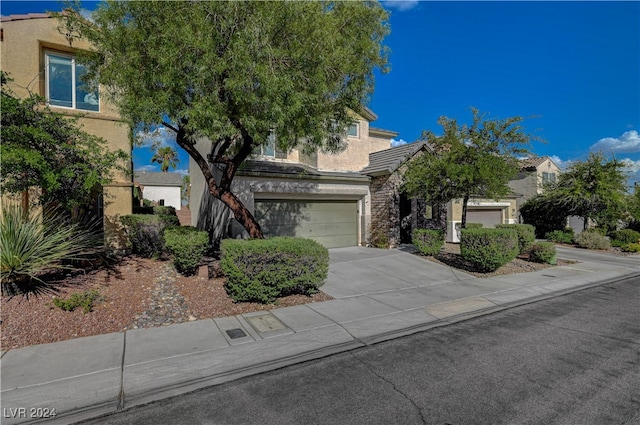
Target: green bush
[(592, 240), (526, 234), (623, 237), (187, 245), (30, 245), (561, 236), (631, 247), (264, 269), (164, 210), (488, 249), (543, 252), (428, 241), (473, 225), (82, 299), (146, 232)]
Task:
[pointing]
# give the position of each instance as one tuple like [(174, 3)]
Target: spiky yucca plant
[(33, 242)]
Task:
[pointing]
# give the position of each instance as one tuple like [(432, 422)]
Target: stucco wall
[(170, 195), (23, 57)]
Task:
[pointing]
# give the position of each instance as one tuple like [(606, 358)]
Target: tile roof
[(22, 17), (534, 162), (294, 169), (389, 160), (157, 179)]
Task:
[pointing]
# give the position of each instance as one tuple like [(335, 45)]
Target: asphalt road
[(574, 359)]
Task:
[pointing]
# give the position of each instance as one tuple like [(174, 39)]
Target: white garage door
[(331, 223), (488, 217)]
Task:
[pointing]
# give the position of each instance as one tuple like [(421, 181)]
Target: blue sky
[(574, 66)]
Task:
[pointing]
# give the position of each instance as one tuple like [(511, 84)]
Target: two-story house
[(38, 53)]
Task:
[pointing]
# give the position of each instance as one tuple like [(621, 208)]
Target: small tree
[(474, 160), (167, 157), (233, 73), (41, 148)]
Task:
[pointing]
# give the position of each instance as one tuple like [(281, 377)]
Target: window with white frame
[(269, 149), (353, 130), (548, 178), (64, 84)]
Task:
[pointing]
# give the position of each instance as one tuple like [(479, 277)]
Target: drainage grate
[(236, 333)]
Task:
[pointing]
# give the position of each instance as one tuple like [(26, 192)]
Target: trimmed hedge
[(631, 247), (623, 237), (488, 249), (561, 236), (164, 210), (187, 245), (526, 234), (543, 252), (473, 225), (264, 269), (146, 232), (428, 241), (592, 240)]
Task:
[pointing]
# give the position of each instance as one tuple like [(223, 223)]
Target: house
[(38, 52), (534, 174), (164, 189), (321, 196)]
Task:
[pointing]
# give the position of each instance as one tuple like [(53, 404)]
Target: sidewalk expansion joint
[(120, 405)]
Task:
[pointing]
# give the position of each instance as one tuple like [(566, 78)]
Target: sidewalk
[(379, 295)]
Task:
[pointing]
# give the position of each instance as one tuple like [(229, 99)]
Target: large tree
[(476, 160), (46, 150), (233, 72), (594, 189), (167, 157)]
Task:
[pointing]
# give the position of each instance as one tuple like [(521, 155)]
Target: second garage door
[(488, 217), (331, 223)]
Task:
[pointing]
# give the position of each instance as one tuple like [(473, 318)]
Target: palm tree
[(167, 157)]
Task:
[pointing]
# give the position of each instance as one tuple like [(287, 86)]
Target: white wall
[(171, 195)]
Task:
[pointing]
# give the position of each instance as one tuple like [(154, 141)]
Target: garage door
[(488, 217), (331, 223)]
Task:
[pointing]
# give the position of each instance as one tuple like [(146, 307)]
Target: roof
[(25, 16), (158, 179), (273, 168), (389, 160), (382, 132), (534, 162)]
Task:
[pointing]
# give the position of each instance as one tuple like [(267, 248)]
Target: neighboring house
[(322, 196), (534, 174), (38, 53), (161, 188)]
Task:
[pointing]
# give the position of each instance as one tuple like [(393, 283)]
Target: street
[(573, 359)]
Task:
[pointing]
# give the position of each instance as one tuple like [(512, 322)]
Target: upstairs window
[(353, 130), (64, 85), (548, 178), (269, 149)]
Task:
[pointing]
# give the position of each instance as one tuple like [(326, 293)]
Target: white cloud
[(147, 169), (400, 142), (629, 142), (401, 5), (631, 166), (182, 171), (561, 163), (160, 137)]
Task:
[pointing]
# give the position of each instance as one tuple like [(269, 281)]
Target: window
[(548, 178), (64, 84), (269, 149), (353, 130)]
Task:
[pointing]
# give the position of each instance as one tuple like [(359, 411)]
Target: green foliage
[(473, 226), (631, 247), (44, 149), (428, 241), (468, 161), (167, 157), (146, 232), (236, 72), (543, 252), (488, 249), (592, 240), (593, 189), (526, 234), (546, 212), (379, 238), (187, 245), (264, 269), (157, 210), (84, 299), (31, 245), (623, 237), (561, 236)]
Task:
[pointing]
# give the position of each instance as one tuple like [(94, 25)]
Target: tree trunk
[(465, 201), (242, 214)]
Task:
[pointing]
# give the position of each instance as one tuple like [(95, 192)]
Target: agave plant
[(34, 242)]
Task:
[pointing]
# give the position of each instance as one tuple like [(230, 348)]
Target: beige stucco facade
[(26, 39)]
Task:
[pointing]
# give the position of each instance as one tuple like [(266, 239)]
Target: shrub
[(428, 241), (592, 240), (473, 225), (488, 249), (623, 237), (30, 244), (164, 210), (543, 252), (82, 299), (264, 269), (146, 232), (187, 245), (631, 247), (526, 234), (561, 236)]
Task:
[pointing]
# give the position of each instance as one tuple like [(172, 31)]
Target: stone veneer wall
[(385, 210)]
